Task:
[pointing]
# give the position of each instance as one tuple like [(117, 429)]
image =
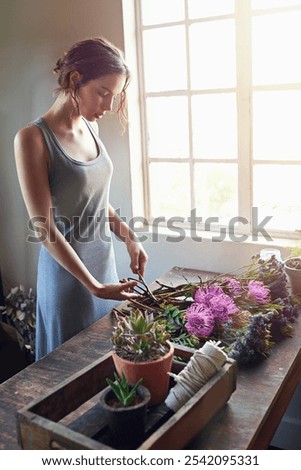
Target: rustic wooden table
[(248, 421)]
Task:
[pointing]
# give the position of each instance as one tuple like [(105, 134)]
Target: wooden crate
[(69, 417)]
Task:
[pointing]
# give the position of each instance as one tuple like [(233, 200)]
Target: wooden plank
[(74, 391), (196, 413), (36, 432)]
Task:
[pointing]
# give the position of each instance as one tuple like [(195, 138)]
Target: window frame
[(244, 89)]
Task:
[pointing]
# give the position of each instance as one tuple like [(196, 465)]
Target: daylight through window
[(221, 87)]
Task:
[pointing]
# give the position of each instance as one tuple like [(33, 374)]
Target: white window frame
[(244, 91)]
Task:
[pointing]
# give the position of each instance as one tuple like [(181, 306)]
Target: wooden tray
[(69, 417)]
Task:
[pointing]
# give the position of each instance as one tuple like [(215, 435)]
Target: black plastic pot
[(126, 424)]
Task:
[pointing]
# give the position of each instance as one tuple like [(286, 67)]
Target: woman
[(64, 173)]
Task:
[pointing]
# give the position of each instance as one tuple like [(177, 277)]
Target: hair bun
[(58, 65)]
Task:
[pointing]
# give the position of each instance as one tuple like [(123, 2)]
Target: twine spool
[(204, 363)]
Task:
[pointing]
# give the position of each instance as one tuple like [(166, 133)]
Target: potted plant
[(292, 268), (124, 407), (142, 350)]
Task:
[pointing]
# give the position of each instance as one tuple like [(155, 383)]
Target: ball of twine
[(204, 363)]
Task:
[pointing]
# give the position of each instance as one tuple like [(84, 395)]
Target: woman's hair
[(93, 58)]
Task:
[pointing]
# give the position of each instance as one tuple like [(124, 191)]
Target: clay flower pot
[(154, 373), (126, 423), (292, 268)]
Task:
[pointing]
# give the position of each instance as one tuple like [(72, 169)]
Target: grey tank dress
[(80, 199)]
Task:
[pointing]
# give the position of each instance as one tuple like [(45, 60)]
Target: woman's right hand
[(122, 291)]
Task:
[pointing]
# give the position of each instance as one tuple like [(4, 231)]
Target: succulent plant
[(124, 391), (139, 336)]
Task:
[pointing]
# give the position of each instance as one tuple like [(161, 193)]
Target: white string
[(204, 363)]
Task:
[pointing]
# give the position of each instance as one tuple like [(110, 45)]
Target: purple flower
[(222, 306), (234, 286), (214, 299), (203, 296), (200, 321), (259, 292)]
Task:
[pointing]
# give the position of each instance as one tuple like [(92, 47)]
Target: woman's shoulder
[(29, 141), (29, 134)]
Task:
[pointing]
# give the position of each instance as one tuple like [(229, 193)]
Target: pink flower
[(234, 286), (259, 292), (222, 306), (203, 296), (200, 321), (214, 299)]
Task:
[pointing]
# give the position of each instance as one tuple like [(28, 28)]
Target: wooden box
[(69, 417)]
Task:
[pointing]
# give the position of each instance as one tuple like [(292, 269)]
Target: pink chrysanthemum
[(234, 286), (259, 292), (200, 321), (222, 306), (204, 295), (214, 299)]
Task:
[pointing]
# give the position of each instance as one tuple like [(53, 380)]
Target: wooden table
[(248, 421)]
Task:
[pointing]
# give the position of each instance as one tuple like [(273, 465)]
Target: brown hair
[(93, 58)]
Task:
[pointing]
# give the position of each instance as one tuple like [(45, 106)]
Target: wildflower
[(204, 295), (258, 292), (234, 286), (213, 298), (200, 321)]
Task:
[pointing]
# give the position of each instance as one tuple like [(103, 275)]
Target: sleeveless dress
[(80, 199)]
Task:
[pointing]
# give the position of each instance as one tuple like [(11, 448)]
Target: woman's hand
[(138, 257), (122, 291)]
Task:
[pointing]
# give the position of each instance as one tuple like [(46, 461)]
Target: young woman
[(64, 173)]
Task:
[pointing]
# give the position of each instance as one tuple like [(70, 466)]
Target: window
[(221, 94)]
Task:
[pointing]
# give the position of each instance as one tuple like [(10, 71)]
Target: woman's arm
[(137, 254), (32, 163)]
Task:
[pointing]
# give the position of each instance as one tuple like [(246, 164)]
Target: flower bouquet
[(248, 312)]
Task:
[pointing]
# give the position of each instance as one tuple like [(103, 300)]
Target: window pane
[(277, 193), (276, 125), (216, 190), (158, 11), (277, 48), (162, 70), (167, 125), (170, 189), (261, 4), (212, 54), (203, 9), (214, 126)]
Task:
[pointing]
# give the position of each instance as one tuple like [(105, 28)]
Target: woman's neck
[(63, 113)]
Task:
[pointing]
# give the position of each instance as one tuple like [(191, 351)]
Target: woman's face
[(97, 96)]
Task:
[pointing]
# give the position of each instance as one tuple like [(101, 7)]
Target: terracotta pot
[(294, 276), (126, 423), (154, 374)]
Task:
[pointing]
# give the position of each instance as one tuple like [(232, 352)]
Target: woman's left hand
[(138, 257)]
